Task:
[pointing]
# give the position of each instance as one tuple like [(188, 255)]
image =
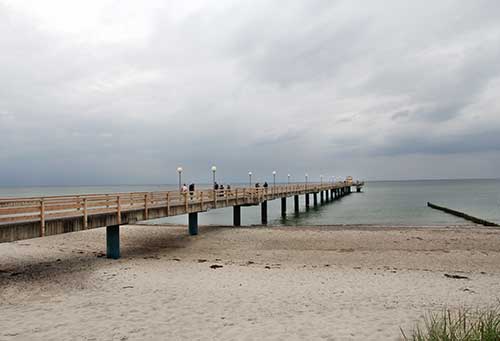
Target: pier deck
[(24, 218)]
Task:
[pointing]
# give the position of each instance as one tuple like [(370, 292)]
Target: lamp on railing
[(179, 170), (289, 179), (321, 179), (250, 179), (274, 178), (214, 169), (307, 176)]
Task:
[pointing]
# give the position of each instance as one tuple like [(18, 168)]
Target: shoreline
[(313, 282)]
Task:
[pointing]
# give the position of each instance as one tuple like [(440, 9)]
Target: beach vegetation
[(457, 325)]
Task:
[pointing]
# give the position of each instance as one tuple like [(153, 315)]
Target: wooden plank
[(19, 210)]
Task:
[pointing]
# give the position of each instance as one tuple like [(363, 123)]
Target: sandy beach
[(329, 282)]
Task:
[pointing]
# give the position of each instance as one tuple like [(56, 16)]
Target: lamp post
[(274, 178), (250, 179), (289, 179), (307, 176), (179, 170), (214, 169), (321, 179)]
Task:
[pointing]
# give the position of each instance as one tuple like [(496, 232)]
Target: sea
[(402, 203)]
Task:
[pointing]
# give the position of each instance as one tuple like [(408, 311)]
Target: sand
[(275, 283)]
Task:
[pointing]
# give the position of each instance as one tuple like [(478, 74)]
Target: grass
[(461, 325)]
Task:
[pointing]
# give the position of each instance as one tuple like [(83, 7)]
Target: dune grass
[(461, 325)]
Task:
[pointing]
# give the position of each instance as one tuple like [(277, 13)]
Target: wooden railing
[(14, 210)]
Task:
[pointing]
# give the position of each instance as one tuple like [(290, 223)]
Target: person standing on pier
[(191, 190)]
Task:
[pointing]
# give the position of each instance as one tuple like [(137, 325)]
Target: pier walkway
[(24, 218)]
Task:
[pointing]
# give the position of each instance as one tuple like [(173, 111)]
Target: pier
[(24, 218)]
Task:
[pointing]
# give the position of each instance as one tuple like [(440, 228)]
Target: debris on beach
[(456, 276), (215, 266), (202, 260)]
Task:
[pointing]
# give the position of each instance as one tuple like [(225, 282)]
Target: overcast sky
[(122, 92)]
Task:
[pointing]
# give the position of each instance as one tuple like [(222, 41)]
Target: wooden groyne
[(462, 215)]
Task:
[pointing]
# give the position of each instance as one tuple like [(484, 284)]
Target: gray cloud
[(123, 92)]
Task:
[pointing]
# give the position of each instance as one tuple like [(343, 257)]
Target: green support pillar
[(113, 241), (307, 201), (193, 223), (263, 212), (283, 207), (315, 199), (237, 215), (296, 203)]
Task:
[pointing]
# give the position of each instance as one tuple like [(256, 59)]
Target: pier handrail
[(43, 208)]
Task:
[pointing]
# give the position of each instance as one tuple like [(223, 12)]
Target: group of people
[(221, 187), (185, 188), (217, 187), (191, 188)]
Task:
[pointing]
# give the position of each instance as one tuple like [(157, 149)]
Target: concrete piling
[(296, 203), (315, 199), (307, 201), (263, 212), (193, 223), (237, 215), (283, 207), (113, 241)]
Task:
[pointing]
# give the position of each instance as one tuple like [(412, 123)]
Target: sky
[(124, 92)]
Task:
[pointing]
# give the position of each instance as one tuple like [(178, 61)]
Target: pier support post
[(193, 223), (322, 196), (296, 203), (113, 241), (283, 207), (358, 189), (263, 212), (332, 194), (237, 215), (307, 201), (315, 199)]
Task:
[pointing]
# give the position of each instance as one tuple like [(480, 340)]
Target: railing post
[(201, 201), (215, 198), (42, 218), (168, 204), (85, 217), (118, 210), (186, 202), (146, 213)]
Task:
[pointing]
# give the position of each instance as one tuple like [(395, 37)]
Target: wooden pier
[(24, 218)]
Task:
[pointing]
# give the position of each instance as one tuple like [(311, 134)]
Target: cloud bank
[(120, 92)]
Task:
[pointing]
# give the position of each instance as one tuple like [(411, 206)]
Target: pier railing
[(41, 209)]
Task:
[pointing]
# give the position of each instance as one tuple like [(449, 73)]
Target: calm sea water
[(381, 202)]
